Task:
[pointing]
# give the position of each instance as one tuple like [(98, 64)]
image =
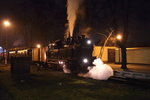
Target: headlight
[(61, 62), (89, 42), (85, 60)]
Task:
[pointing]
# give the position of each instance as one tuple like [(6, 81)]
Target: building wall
[(97, 49), (35, 54), (42, 54), (118, 57), (136, 55), (139, 55)]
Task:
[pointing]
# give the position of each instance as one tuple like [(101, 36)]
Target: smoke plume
[(66, 70), (72, 11)]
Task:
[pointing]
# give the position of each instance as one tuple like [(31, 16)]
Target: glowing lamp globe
[(6, 23), (38, 46), (119, 37)]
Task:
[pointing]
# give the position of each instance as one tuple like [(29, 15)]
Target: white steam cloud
[(100, 71), (72, 10), (66, 70)]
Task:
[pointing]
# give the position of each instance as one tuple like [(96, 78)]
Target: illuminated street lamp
[(122, 46), (119, 37), (6, 24), (38, 46)]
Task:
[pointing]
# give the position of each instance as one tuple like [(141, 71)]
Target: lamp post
[(38, 46), (123, 52), (6, 24), (119, 38)]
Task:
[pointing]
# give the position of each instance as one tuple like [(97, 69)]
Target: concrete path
[(135, 71), (133, 67), (116, 67)]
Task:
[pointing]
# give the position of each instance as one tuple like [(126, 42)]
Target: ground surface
[(55, 85), (133, 67)]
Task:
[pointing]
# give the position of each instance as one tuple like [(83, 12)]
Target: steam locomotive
[(75, 53)]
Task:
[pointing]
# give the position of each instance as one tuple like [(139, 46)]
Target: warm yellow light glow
[(6, 23), (38, 46), (119, 37), (22, 51), (12, 52)]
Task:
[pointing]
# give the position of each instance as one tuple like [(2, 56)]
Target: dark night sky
[(43, 21)]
